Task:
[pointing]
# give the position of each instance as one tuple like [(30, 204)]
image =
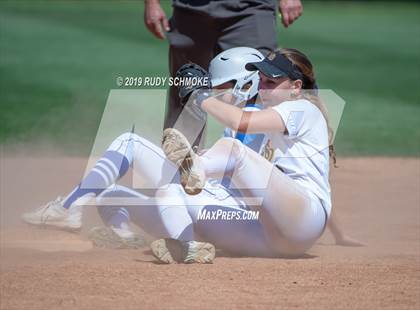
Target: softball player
[(155, 169), (227, 70), (293, 178), (295, 195)]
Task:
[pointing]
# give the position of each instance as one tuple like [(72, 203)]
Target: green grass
[(59, 59)]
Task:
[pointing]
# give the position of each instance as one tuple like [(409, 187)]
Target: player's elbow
[(240, 121)]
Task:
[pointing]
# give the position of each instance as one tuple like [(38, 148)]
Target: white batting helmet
[(230, 66)]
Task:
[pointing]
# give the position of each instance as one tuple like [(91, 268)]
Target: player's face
[(275, 91)]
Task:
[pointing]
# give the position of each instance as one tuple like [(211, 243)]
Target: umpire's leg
[(191, 40), (253, 26)]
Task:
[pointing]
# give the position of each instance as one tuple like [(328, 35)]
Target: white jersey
[(302, 152), (253, 141)]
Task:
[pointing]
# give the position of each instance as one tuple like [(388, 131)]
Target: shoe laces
[(186, 165), (186, 168), (49, 204)]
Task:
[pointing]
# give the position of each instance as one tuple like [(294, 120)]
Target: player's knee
[(126, 144), (236, 148), (128, 136), (227, 140)]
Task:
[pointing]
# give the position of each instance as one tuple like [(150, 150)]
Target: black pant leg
[(192, 39), (254, 26)]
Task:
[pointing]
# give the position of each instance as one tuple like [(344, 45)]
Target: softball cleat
[(54, 215), (169, 251), (199, 252), (115, 238), (179, 151)]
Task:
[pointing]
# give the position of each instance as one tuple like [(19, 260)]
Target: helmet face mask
[(246, 88), (229, 66)]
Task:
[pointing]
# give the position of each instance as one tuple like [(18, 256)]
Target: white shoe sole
[(105, 237), (193, 185), (62, 225), (184, 145), (167, 251), (170, 251), (204, 255)]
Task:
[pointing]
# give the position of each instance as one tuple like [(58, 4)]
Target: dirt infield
[(377, 201)]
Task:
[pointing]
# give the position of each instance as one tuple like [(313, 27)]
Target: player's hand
[(155, 18), (348, 241), (190, 71), (290, 10)]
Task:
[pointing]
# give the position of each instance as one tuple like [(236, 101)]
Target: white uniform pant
[(290, 218)]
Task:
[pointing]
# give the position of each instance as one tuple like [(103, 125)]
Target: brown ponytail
[(309, 82)]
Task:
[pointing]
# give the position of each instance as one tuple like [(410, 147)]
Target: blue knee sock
[(107, 170)]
